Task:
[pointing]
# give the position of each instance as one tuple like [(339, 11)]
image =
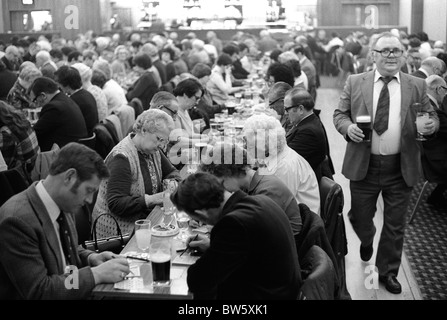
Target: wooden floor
[(357, 271)]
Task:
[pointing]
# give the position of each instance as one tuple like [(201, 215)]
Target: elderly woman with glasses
[(137, 170), (188, 92)]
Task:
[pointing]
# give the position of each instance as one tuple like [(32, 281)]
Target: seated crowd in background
[(155, 95)]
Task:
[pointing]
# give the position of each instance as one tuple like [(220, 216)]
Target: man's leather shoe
[(366, 252), (391, 284)]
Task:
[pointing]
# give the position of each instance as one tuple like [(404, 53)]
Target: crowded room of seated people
[(278, 174)]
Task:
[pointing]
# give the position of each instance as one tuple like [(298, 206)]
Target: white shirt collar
[(433, 99), (51, 206), (377, 76)]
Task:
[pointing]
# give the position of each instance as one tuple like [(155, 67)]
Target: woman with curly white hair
[(100, 97), (120, 65), (137, 170), (266, 141)]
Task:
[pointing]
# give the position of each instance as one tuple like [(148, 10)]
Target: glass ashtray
[(164, 231)]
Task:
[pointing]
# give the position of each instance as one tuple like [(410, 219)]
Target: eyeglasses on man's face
[(275, 101), (174, 113), (286, 109), (36, 97), (385, 53)]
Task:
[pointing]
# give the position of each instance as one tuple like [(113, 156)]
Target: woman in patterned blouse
[(18, 141), (137, 170)]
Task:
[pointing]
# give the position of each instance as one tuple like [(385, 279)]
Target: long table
[(178, 289)]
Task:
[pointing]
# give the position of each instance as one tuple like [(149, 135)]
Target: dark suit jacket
[(7, 81), (434, 157), (10, 66), (308, 139), (161, 70), (357, 99), (275, 189), (31, 264), (419, 74), (309, 69), (144, 89), (87, 103), (238, 70), (60, 122), (252, 254)]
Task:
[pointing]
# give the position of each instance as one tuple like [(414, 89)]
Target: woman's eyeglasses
[(161, 140)]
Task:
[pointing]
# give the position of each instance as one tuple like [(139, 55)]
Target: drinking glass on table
[(143, 235), (161, 253), (169, 186), (422, 118), (183, 224)]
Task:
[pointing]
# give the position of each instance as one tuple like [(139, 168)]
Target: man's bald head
[(12, 53)]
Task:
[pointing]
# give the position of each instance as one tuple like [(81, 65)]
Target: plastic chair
[(89, 142), (418, 201)]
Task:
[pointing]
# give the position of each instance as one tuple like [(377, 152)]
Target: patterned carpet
[(426, 246)]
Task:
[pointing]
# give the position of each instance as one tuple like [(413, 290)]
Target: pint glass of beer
[(364, 123), (160, 256)]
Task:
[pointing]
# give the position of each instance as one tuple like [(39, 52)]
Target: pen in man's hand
[(134, 258), (188, 247)]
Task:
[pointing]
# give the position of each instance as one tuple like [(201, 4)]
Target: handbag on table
[(114, 244)]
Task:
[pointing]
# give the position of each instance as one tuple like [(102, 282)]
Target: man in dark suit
[(70, 81), (238, 71), (238, 174), (7, 81), (60, 120), (150, 48), (37, 227), (309, 69), (434, 158), (11, 59), (275, 97), (251, 253), (430, 66), (307, 136), (390, 163), (413, 61)]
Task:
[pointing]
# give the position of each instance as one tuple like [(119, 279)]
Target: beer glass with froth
[(160, 253), (364, 124)]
